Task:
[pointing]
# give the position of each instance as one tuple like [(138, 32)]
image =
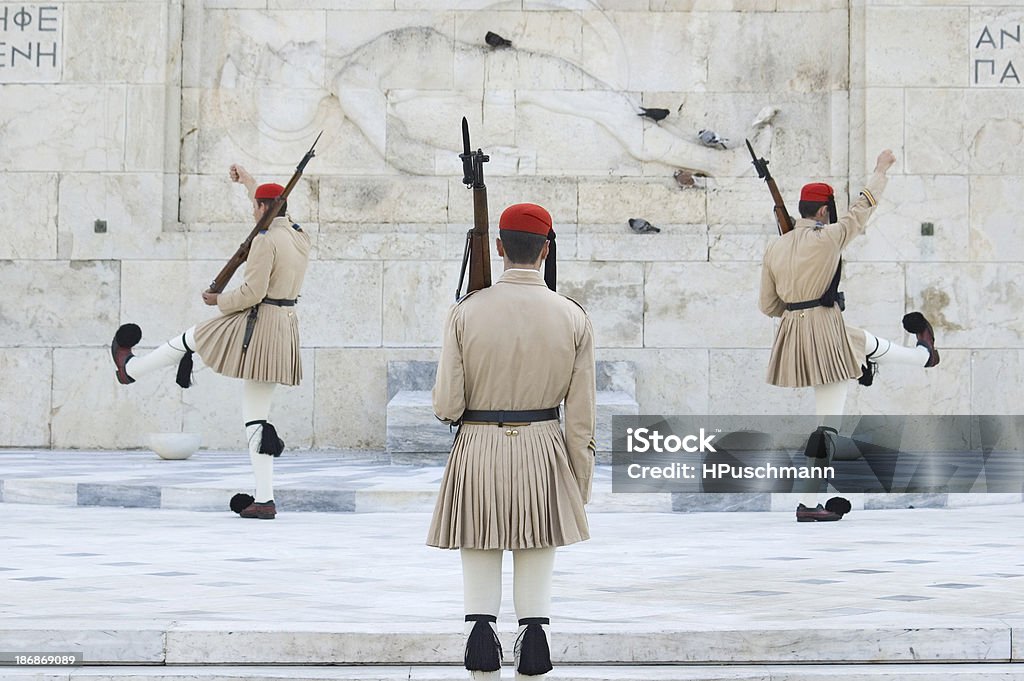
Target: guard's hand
[(885, 161), (238, 173), (210, 298)]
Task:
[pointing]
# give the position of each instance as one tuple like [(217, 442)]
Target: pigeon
[(765, 117), (641, 226), (653, 114), (709, 139), (684, 178), (495, 40)]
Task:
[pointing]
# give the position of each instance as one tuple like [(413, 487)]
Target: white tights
[(256, 399), (168, 354), (531, 589)]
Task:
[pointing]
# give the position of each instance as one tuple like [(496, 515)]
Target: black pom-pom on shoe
[(240, 502), (838, 505), (126, 337), (917, 324)]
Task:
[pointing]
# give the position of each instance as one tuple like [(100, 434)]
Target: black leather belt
[(806, 305), (839, 298), (250, 322), (503, 417)]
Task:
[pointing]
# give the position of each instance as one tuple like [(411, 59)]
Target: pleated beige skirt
[(815, 347), (273, 353), (508, 492)]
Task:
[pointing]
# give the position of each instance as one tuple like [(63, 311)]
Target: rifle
[(477, 256), (242, 254), (782, 216)]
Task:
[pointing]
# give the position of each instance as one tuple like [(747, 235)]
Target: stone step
[(337, 482), (839, 672), (580, 644)]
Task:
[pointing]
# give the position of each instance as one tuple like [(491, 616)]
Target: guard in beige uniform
[(813, 346), (255, 338), (511, 354)]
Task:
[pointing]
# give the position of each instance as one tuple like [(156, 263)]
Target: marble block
[(25, 367), (90, 409), (350, 398), (414, 435), (63, 126), (138, 644), (933, 54), (58, 302), (612, 403), (699, 305), (131, 205), (996, 218), (33, 198), (28, 491), (803, 66), (116, 42)]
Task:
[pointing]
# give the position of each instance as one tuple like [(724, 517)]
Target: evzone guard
[(813, 346), (511, 354), (255, 337)]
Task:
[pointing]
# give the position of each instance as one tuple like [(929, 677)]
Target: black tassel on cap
[(532, 647), (483, 649), (550, 264)]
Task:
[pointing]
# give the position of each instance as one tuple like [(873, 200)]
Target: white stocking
[(882, 351), (531, 589), (256, 398), (168, 354), (481, 590), (829, 403)]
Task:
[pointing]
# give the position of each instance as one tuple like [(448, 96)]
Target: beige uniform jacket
[(517, 346), (814, 346), (275, 268)]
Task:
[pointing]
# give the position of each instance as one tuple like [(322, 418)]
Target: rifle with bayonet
[(782, 216), (242, 254), (477, 256)]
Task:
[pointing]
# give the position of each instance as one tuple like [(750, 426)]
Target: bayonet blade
[(465, 136)]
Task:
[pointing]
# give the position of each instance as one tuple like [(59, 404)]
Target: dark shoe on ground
[(263, 511), (817, 514), (126, 338), (915, 323)]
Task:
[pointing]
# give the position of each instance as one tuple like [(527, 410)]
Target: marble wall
[(130, 112)]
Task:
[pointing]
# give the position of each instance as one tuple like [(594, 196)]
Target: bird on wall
[(641, 226), (684, 178), (654, 114), (710, 139), (495, 40), (765, 117)]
